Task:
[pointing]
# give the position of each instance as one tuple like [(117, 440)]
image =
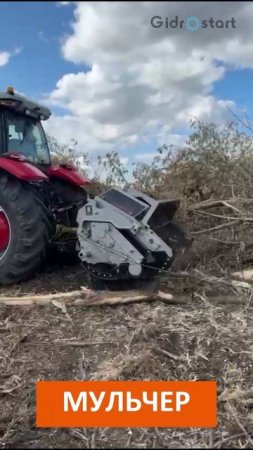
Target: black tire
[(30, 230)]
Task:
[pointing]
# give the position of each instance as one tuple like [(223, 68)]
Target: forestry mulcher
[(121, 234)]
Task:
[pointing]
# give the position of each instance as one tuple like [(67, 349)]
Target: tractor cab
[(21, 132)]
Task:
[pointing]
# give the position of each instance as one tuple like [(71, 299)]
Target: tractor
[(119, 234)]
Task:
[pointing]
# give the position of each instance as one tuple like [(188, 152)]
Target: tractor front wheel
[(24, 231)]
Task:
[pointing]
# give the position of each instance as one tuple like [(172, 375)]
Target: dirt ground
[(198, 341)]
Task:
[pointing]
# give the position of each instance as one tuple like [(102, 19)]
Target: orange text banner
[(126, 404)]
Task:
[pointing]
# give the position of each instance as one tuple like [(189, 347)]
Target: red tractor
[(120, 234), (35, 196)]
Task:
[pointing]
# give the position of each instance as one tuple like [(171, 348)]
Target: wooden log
[(86, 297), (244, 274)]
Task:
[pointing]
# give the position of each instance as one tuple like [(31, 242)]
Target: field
[(205, 333), (201, 340)]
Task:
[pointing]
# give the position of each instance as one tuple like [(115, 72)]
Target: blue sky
[(238, 86), (45, 47), (37, 28)]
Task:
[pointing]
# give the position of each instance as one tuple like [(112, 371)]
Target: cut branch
[(206, 204), (85, 297), (217, 227)]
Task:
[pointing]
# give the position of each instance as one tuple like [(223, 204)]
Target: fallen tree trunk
[(86, 297), (40, 299)]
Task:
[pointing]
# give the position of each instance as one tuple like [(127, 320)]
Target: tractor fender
[(22, 170), (68, 173)]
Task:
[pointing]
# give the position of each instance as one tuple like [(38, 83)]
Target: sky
[(115, 82)]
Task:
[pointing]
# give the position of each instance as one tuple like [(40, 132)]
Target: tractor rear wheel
[(24, 231)]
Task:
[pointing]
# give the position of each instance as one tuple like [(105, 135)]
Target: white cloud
[(63, 3), (124, 160), (42, 36), (145, 82), (4, 58), (17, 51), (145, 157), (175, 140)]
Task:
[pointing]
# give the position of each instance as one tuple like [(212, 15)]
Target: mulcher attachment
[(126, 235)]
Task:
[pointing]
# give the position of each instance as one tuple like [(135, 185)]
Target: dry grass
[(197, 341)]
